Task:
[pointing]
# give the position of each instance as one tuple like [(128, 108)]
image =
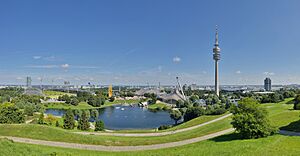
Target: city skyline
[(149, 42)]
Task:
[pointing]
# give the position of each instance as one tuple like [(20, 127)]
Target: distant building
[(185, 87), (193, 86), (28, 82), (268, 85)]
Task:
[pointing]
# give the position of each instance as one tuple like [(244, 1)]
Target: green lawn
[(56, 94), (281, 114), (159, 106), (276, 145)]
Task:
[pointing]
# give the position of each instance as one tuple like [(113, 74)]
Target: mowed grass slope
[(226, 145), (57, 134)]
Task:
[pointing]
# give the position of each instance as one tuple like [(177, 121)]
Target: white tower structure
[(216, 57)]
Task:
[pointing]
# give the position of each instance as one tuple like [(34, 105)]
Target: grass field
[(223, 145), (159, 106), (56, 94)]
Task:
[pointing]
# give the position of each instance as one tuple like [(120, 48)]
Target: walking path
[(117, 148), (29, 121), (155, 134), (290, 133)]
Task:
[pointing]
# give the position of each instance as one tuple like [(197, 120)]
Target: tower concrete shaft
[(217, 90), (216, 57)]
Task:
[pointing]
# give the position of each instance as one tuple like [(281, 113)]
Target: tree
[(94, 114), (50, 119), (111, 99), (41, 118), (153, 98), (194, 98), (99, 126), (297, 102), (193, 112), (57, 123), (83, 122), (180, 104), (29, 110), (74, 101), (96, 101), (69, 121), (250, 120), (10, 114), (176, 115)]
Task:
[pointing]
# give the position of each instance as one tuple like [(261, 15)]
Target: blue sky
[(149, 41)]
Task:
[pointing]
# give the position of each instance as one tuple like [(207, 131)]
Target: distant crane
[(180, 88)]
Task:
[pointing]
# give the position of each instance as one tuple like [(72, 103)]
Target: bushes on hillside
[(193, 112), (83, 122), (99, 126), (163, 127), (297, 102), (10, 114), (176, 115), (250, 120), (73, 100), (41, 118), (96, 101), (69, 121)]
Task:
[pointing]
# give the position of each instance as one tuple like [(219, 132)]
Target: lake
[(119, 117)]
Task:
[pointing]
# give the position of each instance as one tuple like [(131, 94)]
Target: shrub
[(57, 124), (50, 119), (250, 120), (69, 121), (99, 126), (111, 99), (297, 102), (83, 122), (176, 115), (163, 127), (10, 114), (41, 119), (193, 112)]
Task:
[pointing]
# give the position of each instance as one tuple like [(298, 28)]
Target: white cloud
[(42, 66), (50, 58), (37, 57), (176, 59), (65, 66), (269, 73), (204, 72), (238, 72), (85, 67), (19, 78)]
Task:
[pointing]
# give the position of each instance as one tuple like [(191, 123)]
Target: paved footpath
[(117, 148), (155, 134)]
